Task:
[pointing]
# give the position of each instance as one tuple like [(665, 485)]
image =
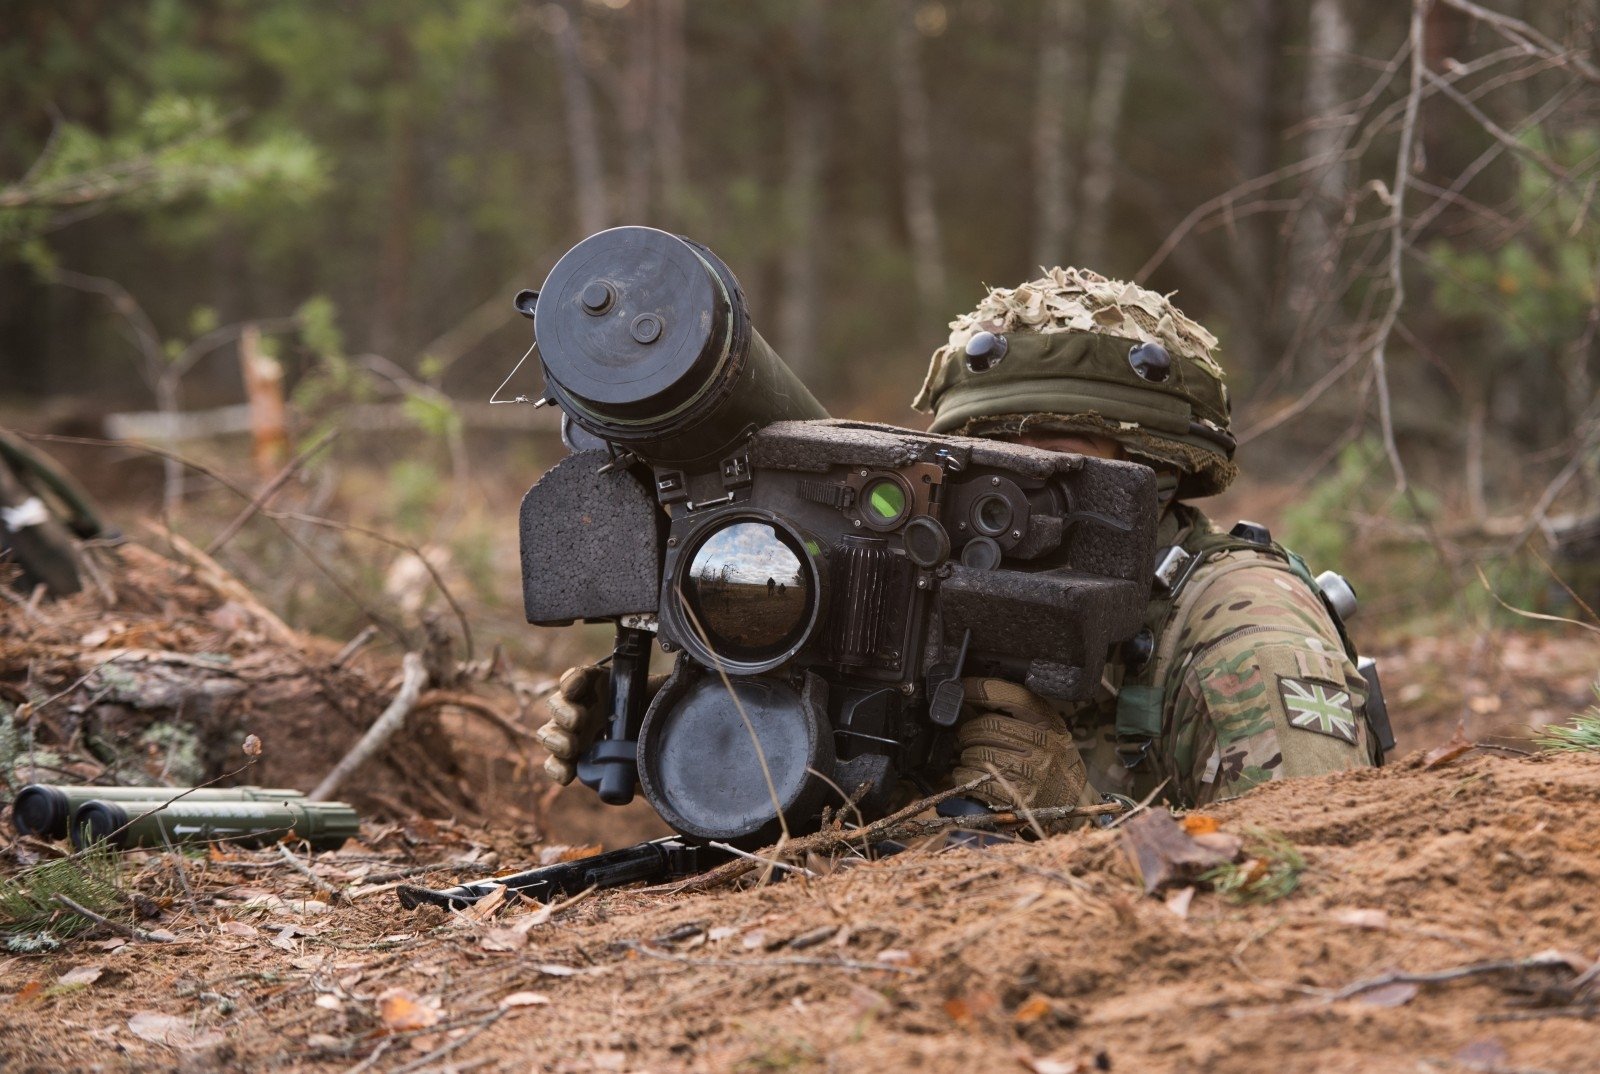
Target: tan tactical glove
[(578, 711), (1010, 730)]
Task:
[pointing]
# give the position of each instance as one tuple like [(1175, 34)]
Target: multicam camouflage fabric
[(1256, 683)]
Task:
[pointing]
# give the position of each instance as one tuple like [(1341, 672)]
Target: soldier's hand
[(1010, 730), (577, 714)]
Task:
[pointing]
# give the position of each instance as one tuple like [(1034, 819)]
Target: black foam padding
[(1062, 621), (816, 446), (1116, 490), (591, 543)]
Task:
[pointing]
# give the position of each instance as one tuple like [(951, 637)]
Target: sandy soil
[(1045, 956)]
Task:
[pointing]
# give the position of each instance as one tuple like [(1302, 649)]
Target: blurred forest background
[(1386, 211)]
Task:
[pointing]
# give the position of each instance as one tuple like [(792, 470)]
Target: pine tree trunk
[(797, 314), (1314, 253), (1259, 43), (393, 305), (916, 151), (638, 83), (671, 53), (1100, 148), (1053, 174), (583, 135)]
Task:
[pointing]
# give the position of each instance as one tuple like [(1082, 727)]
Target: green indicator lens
[(886, 500)]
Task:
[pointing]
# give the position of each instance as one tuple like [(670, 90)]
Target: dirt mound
[(160, 668), (1445, 920)]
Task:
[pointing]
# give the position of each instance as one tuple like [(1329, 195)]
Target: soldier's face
[(1101, 447)]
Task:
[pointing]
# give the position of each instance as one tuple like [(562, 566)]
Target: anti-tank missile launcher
[(824, 585)]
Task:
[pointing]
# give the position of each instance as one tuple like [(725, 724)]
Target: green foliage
[(175, 148), (1270, 871), (319, 328), (1321, 523), (433, 413), (415, 485), (28, 907), (1580, 735), (1534, 291), (202, 320)]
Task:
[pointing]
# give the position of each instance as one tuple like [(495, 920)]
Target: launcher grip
[(611, 767)]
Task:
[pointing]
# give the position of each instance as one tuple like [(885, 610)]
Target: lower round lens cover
[(926, 542), (981, 554), (701, 759)]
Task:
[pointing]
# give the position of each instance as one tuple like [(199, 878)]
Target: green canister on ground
[(158, 822), (44, 809)]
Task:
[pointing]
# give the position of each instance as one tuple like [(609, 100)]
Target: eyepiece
[(885, 503), (992, 514)]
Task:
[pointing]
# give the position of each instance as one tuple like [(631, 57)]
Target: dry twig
[(897, 826), (336, 893), (414, 676), (130, 931), (1543, 961)]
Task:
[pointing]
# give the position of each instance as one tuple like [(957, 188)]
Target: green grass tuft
[(1270, 872), (28, 906), (1582, 734)]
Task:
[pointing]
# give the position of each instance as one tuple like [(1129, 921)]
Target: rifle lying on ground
[(653, 862), (824, 585)]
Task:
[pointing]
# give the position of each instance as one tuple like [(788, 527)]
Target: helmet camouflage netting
[(1067, 368)]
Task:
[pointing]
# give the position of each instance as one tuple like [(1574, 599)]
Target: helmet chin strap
[(1166, 488)]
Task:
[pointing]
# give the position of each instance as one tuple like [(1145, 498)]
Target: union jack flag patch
[(1313, 706)]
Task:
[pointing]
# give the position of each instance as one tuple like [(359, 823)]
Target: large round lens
[(884, 501), (748, 592)]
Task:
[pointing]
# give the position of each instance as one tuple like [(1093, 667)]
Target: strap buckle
[(1133, 752)]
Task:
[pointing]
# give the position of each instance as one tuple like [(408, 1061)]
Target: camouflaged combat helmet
[(1078, 353)]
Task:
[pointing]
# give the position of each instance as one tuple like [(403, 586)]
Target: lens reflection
[(749, 590)]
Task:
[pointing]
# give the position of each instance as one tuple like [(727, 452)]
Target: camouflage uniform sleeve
[(1262, 688)]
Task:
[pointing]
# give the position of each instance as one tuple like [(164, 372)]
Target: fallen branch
[(451, 1045), (116, 926), (217, 578), (414, 676), (335, 893), (759, 860), (355, 645), (268, 491), (1543, 961)]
